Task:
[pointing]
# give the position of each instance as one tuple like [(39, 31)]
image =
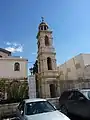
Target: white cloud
[(8, 43), (14, 47), (19, 49), (33, 53), (11, 49), (15, 44)]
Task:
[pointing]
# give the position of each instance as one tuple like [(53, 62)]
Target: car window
[(38, 107), (65, 95), (86, 94), (71, 96), (76, 95)]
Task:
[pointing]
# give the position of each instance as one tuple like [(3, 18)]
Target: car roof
[(85, 90), (34, 100), (82, 89)]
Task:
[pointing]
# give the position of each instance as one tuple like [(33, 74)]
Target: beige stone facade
[(12, 67), (76, 68), (47, 62)]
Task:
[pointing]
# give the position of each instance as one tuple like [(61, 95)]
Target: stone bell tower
[(47, 68)]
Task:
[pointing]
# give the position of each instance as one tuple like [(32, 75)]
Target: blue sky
[(69, 20)]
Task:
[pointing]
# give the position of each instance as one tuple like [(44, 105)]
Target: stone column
[(45, 90), (32, 86)]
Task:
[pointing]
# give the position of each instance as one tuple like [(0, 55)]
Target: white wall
[(7, 68), (32, 86)]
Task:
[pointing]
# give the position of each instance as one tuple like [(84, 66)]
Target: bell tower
[(47, 67)]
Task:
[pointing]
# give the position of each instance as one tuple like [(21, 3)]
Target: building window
[(0, 56), (17, 67), (78, 66), (49, 63), (46, 40), (41, 28), (45, 28)]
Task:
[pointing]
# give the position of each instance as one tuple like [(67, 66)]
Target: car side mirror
[(81, 99)]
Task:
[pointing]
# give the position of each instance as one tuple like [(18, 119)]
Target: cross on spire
[(42, 19)]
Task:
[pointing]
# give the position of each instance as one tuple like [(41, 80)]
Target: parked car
[(39, 109), (76, 102)]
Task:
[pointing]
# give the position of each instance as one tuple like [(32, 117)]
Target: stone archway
[(52, 90)]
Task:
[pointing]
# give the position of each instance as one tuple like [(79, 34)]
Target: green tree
[(17, 90), (2, 85), (2, 88), (23, 90), (35, 67)]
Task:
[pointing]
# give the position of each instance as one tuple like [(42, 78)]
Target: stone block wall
[(8, 109), (74, 84)]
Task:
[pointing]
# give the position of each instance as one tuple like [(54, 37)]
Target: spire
[(42, 19), (43, 25)]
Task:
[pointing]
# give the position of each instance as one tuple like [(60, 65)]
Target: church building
[(47, 67)]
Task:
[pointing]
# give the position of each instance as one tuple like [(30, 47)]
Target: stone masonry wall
[(7, 109), (73, 84)]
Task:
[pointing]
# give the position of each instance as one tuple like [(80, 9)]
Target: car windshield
[(38, 107), (86, 94)]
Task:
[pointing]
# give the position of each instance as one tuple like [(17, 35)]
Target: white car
[(39, 109)]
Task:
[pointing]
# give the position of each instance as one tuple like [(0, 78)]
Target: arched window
[(16, 66), (45, 27), (41, 28), (46, 40), (49, 63)]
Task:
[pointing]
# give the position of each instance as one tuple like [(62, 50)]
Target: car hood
[(56, 115)]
